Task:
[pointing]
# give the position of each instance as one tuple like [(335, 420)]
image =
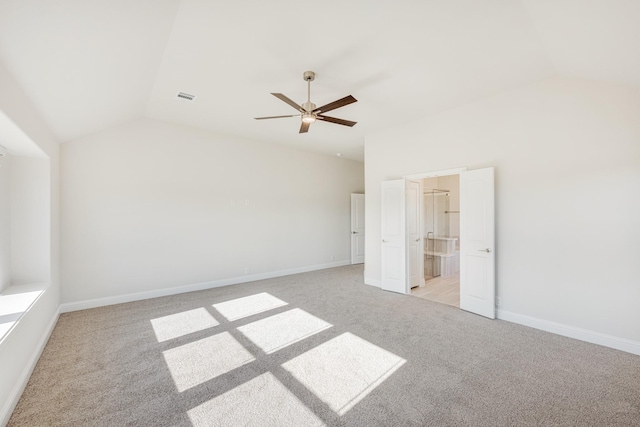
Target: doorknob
[(354, 232), (487, 250), (384, 241), (417, 240)]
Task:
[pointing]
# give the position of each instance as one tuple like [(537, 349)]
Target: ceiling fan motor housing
[(309, 106), (309, 76)]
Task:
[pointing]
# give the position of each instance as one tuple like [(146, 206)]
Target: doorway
[(477, 237), (441, 235)]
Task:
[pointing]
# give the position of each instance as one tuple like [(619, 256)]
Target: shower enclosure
[(436, 226)]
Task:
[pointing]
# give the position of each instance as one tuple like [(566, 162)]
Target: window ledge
[(15, 302)]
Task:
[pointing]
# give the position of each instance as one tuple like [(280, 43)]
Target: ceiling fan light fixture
[(308, 118), (308, 111)]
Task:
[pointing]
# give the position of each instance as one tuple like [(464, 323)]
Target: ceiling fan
[(308, 111)]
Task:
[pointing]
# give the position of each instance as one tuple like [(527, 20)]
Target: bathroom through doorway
[(441, 236)]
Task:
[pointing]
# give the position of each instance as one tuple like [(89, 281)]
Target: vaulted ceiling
[(88, 65)]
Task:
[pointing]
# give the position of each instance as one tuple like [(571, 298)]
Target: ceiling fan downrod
[(309, 106)]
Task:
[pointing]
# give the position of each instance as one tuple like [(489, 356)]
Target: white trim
[(14, 396), (431, 174), (119, 299), (373, 282), (572, 332)]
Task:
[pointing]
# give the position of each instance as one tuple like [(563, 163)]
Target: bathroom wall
[(451, 183)]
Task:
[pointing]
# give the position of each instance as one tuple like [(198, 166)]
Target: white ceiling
[(90, 64)]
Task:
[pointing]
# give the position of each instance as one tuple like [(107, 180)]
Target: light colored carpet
[(319, 348)]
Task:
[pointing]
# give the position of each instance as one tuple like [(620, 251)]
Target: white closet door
[(394, 276), (477, 242), (357, 228)]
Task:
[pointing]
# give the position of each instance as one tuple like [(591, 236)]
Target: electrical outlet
[(332, 258), (498, 301), (246, 270)]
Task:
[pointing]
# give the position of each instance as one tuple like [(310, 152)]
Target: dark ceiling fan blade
[(288, 101), (304, 127), (276, 117), (335, 120), (336, 104)]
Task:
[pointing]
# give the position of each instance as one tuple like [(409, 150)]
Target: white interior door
[(415, 253), (477, 242), (394, 272), (357, 228)]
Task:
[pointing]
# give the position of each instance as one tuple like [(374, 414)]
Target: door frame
[(418, 245), (434, 174)]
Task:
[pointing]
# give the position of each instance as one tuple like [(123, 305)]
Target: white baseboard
[(373, 282), (119, 299), (14, 397), (572, 332)]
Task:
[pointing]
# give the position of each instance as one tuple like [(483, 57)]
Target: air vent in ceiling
[(185, 96)]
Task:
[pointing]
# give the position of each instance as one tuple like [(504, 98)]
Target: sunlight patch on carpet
[(248, 306), (283, 329), (263, 401), (179, 324), (342, 371), (200, 361)]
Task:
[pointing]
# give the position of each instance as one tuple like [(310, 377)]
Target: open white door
[(394, 272), (415, 253), (477, 239), (357, 228)]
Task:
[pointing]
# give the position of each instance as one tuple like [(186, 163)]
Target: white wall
[(25, 224), (30, 220), (20, 349), (5, 222), (567, 159), (151, 206)]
